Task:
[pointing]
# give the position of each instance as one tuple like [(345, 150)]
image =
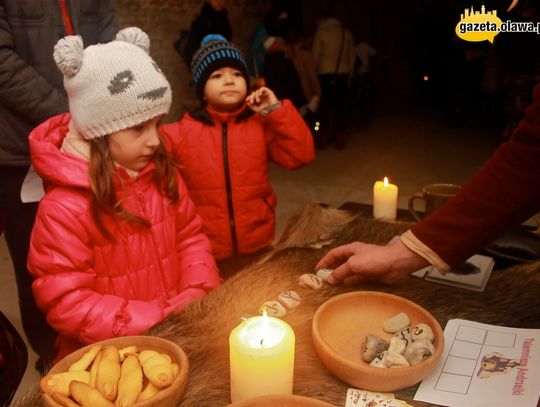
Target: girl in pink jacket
[(117, 243)]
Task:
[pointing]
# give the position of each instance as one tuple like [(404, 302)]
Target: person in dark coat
[(31, 91), (213, 19)]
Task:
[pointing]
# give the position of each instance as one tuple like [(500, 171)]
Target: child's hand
[(261, 98)]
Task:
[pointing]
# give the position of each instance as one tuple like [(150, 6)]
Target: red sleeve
[(289, 140), (502, 194)]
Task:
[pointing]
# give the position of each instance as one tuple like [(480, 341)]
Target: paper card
[(474, 275), (485, 365), (364, 398)]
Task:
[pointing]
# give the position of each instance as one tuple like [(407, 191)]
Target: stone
[(372, 346), (418, 351), (396, 323), (289, 298), (309, 280), (394, 359), (379, 360), (422, 331), (274, 309), (324, 273)]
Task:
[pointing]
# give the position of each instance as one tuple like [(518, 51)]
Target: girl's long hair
[(101, 171)]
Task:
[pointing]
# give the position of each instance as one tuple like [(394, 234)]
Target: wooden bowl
[(340, 325), (168, 397), (280, 401)]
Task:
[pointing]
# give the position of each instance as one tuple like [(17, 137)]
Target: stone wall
[(162, 20)]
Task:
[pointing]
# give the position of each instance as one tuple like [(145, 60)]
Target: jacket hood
[(52, 165)]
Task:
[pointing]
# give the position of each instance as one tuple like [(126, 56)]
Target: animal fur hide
[(202, 329)]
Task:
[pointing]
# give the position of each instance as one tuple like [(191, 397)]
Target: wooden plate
[(168, 397), (340, 325)]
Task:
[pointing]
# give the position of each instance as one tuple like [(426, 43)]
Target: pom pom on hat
[(135, 36), (68, 55), (112, 86), (212, 37), (215, 53)]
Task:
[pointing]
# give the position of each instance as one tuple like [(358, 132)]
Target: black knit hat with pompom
[(215, 53)]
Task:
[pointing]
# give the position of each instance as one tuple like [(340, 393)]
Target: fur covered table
[(202, 330)]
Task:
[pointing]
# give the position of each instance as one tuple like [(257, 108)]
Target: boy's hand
[(261, 98)]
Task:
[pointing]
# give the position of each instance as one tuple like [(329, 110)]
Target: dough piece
[(310, 281), (274, 309), (396, 323), (289, 298)]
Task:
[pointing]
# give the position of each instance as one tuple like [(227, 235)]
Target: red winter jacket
[(90, 288), (224, 160)]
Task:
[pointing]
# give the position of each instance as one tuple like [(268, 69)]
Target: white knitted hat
[(112, 86)]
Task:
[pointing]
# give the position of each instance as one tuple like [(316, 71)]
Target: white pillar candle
[(261, 356), (385, 200)]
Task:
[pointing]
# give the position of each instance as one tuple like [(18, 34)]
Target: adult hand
[(357, 262), (261, 98)]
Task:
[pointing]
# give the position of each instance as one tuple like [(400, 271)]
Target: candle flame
[(385, 181)]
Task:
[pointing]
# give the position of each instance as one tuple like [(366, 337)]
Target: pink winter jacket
[(90, 288)]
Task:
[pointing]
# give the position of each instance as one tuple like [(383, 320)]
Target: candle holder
[(261, 355)]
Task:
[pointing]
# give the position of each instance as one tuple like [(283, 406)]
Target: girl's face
[(134, 147), (225, 90)]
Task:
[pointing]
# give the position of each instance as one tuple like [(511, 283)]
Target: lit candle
[(385, 200), (261, 355)]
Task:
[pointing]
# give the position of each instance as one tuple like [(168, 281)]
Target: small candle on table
[(261, 356), (385, 200)]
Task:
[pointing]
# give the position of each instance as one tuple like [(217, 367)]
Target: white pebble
[(274, 309), (397, 345), (289, 298), (324, 273), (310, 281), (419, 350), (379, 360), (422, 331), (394, 359), (404, 335), (396, 323), (372, 346)]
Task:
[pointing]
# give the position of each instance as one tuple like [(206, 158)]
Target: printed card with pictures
[(365, 398)]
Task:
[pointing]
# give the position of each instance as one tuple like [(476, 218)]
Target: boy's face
[(134, 148), (225, 90)]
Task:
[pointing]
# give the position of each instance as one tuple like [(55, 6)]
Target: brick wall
[(162, 20)]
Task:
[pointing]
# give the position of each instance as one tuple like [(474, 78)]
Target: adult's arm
[(501, 195)]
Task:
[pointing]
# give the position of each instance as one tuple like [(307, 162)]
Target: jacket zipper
[(228, 188)]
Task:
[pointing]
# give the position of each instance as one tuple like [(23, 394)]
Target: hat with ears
[(215, 53), (112, 86)]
